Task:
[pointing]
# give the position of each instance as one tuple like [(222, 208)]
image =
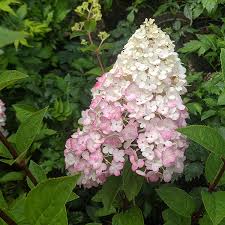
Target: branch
[(213, 185), (14, 154), (97, 53), (211, 188), (6, 218), (8, 146)]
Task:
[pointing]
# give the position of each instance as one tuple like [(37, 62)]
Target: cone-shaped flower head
[(135, 111)]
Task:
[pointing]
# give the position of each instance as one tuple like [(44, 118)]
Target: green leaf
[(4, 152), (28, 130), (209, 5), (3, 203), (208, 41), (89, 48), (205, 220), (207, 137), (46, 201), (196, 152), (221, 131), (5, 6), (130, 16), (212, 167), (11, 176), (177, 200), (196, 195), (191, 46), (105, 212), (62, 8), (22, 11), (222, 60), (17, 210), (169, 216), (95, 71), (23, 111), (93, 224), (208, 114), (106, 46), (73, 196), (214, 205), (8, 36), (194, 108), (108, 4), (90, 25), (108, 192), (132, 182), (132, 216), (38, 173), (197, 11), (60, 218), (77, 34), (193, 170), (188, 12), (10, 77), (221, 99)]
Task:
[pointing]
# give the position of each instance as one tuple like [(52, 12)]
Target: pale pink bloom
[(130, 131), (134, 115), (152, 176), (115, 168), (168, 158), (118, 155), (95, 101), (100, 81), (113, 140), (132, 92)]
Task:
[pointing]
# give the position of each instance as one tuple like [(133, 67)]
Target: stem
[(14, 154), (211, 188), (213, 185), (8, 146), (6, 218), (97, 53)]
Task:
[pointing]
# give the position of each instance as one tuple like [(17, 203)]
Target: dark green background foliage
[(62, 71)]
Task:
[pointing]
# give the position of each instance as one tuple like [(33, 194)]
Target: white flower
[(118, 155), (151, 136), (117, 125), (148, 152), (107, 149), (70, 159)]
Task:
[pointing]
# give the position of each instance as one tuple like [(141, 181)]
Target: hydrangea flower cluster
[(135, 111), (2, 116)]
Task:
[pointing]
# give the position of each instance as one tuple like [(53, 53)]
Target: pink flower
[(136, 163), (105, 125), (168, 158), (113, 141), (152, 176), (100, 81), (118, 155), (132, 92), (115, 168), (166, 134), (130, 132), (95, 101)]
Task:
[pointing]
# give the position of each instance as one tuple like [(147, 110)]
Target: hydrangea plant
[(133, 116)]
